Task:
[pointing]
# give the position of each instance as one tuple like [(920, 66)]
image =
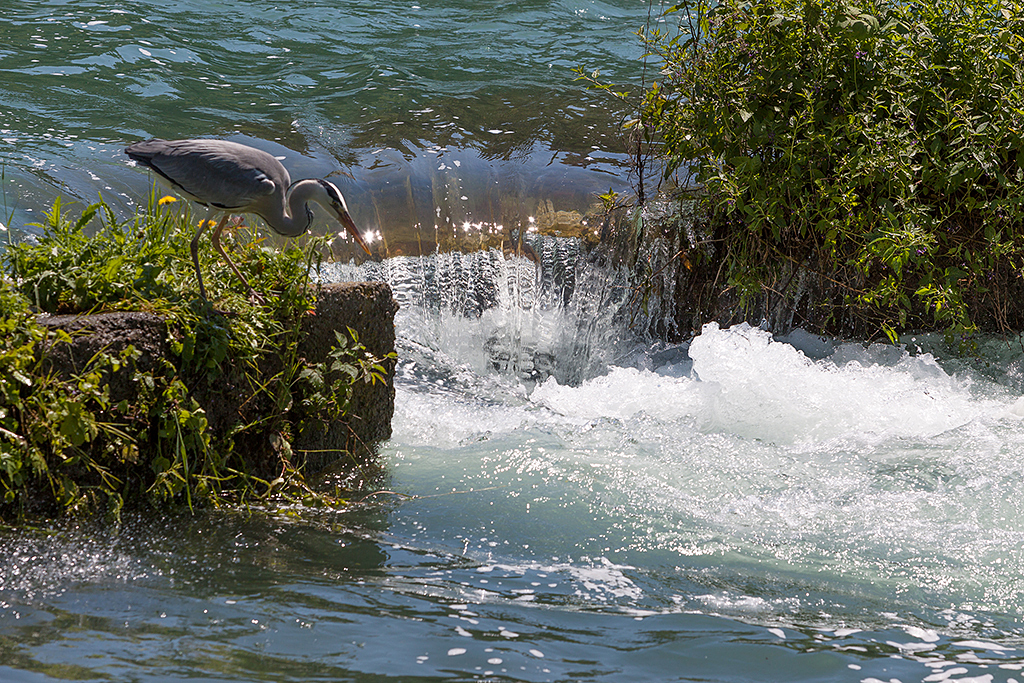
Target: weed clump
[(872, 146), (73, 438)]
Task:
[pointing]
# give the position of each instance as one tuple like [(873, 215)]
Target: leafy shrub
[(871, 142), (66, 445)]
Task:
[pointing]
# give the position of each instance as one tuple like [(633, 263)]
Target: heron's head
[(336, 203)]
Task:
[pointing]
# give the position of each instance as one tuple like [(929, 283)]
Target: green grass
[(67, 447)]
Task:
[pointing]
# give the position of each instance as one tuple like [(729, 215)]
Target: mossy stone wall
[(366, 307)]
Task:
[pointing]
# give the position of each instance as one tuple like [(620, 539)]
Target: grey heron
[(231, 178)]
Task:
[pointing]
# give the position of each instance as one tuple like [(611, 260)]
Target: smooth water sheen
[(449, 113), (561, 501)]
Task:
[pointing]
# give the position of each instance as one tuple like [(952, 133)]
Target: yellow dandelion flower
[(167, 199)]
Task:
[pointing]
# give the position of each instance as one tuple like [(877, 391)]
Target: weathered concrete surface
[(366, 307), (369, 309), (108, 333)]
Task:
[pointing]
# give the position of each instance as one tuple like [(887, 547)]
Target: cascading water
[(551, 317), (863, 495), (565, 501)]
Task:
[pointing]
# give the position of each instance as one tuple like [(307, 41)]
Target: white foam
[(623, 393), (747, 384), (769, 390)]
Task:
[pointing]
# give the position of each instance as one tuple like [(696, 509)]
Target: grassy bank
[(860, 161), (69, 442)]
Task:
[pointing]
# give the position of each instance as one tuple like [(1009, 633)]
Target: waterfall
[(548, 313)]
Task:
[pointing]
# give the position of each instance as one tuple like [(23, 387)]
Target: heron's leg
[(194, 248), (215, 238)]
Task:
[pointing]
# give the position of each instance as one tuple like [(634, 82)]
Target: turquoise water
[(560, 501)]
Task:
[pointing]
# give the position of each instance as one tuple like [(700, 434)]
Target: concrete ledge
[(366, 307), (369, 309), (108, 333)]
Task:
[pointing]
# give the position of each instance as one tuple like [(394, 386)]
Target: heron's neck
[(293, 216)]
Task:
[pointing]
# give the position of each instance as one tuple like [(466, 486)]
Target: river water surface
[(561, 500), (423, 113)]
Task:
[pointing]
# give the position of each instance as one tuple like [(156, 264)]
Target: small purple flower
[(860, 54)]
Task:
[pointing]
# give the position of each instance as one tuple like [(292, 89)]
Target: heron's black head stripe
[(333, 192)]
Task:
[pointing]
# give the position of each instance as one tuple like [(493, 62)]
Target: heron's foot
[(255, 297)]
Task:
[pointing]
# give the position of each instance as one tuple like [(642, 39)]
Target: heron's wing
[(217, 173)]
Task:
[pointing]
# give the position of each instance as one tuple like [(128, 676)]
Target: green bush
[(876, 144), (66, 445)]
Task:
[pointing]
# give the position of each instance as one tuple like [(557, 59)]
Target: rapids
[(564, 501)]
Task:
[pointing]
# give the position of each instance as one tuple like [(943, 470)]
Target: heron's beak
[(345, 219)]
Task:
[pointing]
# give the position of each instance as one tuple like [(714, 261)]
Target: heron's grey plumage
[(217, 173), (229, 177)]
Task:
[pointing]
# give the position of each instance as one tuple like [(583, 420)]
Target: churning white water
[(564, 501), (800, 481)]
